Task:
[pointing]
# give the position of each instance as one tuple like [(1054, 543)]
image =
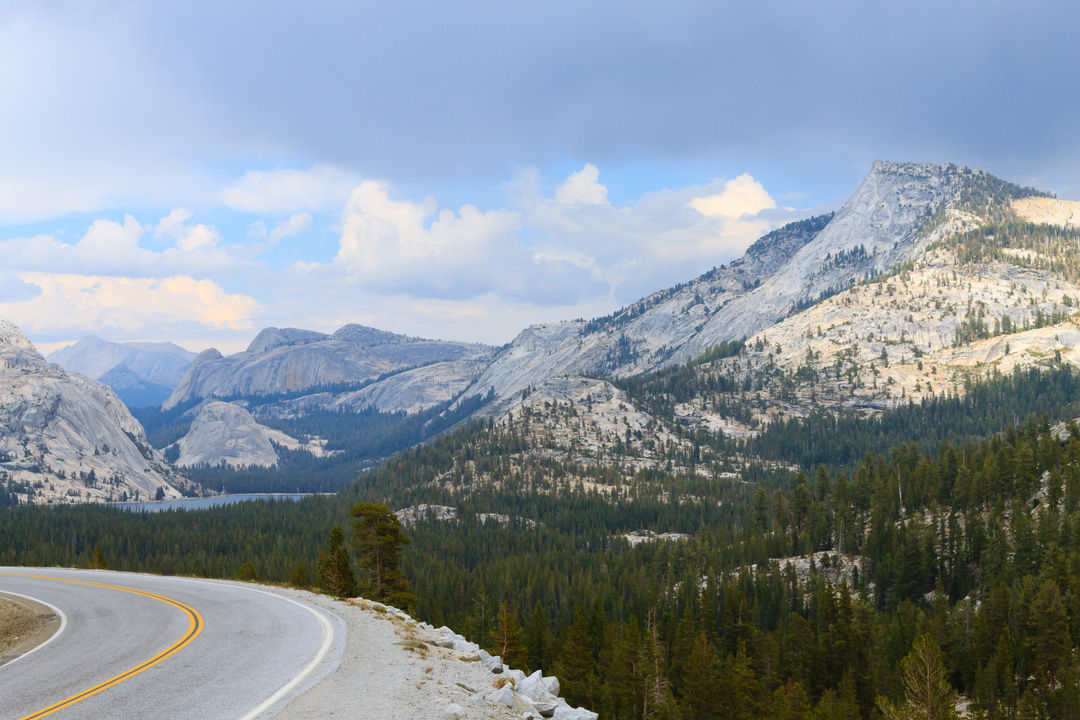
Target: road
[(144, 646)]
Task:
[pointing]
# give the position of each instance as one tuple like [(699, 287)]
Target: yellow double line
[(195, 626)]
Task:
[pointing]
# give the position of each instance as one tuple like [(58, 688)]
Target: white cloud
[(188, 237), (386, 245), (112, 248), (742, 196), (294, 225), (72, 305), (276, 192), (582, 188)]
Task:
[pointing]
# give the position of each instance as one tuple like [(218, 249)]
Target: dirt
[(24, 624)]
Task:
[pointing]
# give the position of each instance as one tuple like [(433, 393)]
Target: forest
[(924, 521)]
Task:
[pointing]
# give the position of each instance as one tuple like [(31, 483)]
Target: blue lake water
[(205, 502)]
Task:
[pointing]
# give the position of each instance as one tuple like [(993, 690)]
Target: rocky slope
[(65, 438), (226, 433), (396, 667), (359, 365), (977, 301), (881, 226)]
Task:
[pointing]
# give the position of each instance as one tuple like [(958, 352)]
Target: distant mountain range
[(142, 374), (929, 276)]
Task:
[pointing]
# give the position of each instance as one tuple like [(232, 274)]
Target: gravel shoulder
[(392, 667), (24, 624)]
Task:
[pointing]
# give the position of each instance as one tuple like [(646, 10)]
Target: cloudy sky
[(195, 171)]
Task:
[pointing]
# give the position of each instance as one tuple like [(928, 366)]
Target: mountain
[(65, 438), (133, 389), (137, 371), (353, 367), (226, 433), (883, 224)]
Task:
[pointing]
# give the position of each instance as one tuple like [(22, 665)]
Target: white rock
[(503, 696), (567, 713), (454, 712), (534, 688), (226, 433)]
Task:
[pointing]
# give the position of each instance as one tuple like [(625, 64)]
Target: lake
[(206, 502)]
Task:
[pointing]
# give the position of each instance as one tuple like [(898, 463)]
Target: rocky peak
[(363, 335), (12, 338), (206, 356), (273, 337)]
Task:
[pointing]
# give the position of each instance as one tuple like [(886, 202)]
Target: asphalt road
[(143, 646)]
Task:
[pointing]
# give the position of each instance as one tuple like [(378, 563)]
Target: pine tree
[(378, 536), (576, 667), (537, 638), (97, 560), (699, 687), (334, 570), (299, 576), (927, 693), (507, 637)]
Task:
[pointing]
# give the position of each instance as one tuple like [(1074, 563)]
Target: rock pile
[(534, 696)]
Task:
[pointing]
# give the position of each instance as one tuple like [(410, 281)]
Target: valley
[(752, 491)]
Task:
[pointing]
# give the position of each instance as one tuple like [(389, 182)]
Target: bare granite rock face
[(290, 360), (65, 438), (880, 226), (227, 433)]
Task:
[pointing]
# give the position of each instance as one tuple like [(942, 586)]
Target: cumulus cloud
[(582, 188), (112, 248), (187, 237), (662, 238), (71, 305), (277, 192), (386, 244), (742, 196)]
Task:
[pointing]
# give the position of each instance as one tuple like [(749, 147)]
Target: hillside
[(354, 367), (67, 439)]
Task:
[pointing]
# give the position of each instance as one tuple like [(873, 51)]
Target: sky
[(197, 171)]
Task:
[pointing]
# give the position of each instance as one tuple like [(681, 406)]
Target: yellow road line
[(195, 626)]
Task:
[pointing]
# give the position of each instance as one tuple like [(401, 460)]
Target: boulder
[(534, 688), (545, 709), (504, 696), (568, 713)]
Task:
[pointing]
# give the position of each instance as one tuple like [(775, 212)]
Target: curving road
[(145, 646)]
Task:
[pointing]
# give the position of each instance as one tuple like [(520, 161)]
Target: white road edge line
[(58, 611), (328, 641)]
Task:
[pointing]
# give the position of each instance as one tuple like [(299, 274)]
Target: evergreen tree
[(927, 692), (507, 637), (378, 536), (334, 570), (576, 667), (97, 560), (299, 576)]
